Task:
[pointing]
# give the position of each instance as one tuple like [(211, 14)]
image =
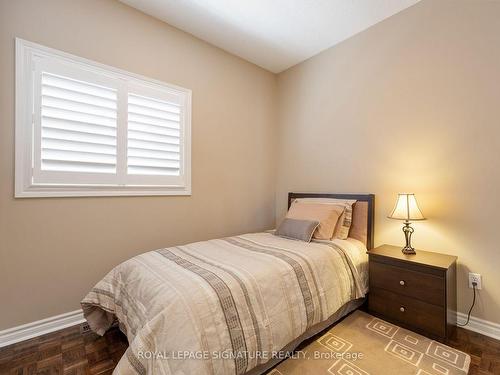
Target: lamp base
[(408, 231), (408, 250)]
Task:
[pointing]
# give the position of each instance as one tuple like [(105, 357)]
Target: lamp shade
[(406, 208)]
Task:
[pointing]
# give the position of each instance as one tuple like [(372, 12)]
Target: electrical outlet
[(84, 327), (475, 277)]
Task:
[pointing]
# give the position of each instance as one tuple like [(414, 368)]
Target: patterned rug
[(364, 345)]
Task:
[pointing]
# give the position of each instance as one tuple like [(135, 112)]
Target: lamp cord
[(472, 306)]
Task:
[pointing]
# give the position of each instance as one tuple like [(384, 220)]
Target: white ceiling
[(274, 34)]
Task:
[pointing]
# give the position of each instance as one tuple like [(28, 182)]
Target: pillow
[(345, 221), (343, 226), (298, 229), (359, 229), (327, 215)]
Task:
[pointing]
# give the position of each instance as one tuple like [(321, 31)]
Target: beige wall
[(53, 250), (411, 104)]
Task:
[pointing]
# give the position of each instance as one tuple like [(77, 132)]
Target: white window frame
[(27, 55)]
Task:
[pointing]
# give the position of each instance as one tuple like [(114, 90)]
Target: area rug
[(362, 344)]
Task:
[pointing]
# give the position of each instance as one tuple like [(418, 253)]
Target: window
[(86, 129)]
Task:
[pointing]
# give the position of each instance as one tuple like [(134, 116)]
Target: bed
[(235, 305)]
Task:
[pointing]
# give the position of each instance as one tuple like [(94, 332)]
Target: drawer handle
[(402, 283), (402, 309)]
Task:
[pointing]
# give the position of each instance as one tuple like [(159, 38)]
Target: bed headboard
[(363, 213)]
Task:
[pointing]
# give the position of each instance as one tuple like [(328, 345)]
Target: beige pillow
[(359, 227), (344, 223), (327, 215)]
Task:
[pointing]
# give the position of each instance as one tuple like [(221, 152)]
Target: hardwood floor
[(71, 352), (65, 352), (483, 350)]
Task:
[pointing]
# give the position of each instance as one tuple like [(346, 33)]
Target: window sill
[(93, 191)]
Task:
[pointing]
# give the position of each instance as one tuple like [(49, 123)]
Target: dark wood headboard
[(369, 198)]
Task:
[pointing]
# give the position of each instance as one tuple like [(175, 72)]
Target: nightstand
[(418, 292)]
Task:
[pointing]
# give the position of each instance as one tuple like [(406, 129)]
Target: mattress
[(226, 306)]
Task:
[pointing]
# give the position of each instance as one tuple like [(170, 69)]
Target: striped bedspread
[(223, 306)]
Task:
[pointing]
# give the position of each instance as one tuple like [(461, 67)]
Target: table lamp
[(406, 209)]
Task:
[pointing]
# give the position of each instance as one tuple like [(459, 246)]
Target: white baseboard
[(484, 327), (55, 323), (40, 327)]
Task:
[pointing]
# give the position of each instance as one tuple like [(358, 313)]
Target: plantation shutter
[(78, 126), (153, 137), (83, 128)]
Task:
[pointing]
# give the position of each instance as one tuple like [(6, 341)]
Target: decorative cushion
[(297, 229)]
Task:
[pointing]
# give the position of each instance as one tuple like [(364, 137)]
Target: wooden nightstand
[(418, 292)]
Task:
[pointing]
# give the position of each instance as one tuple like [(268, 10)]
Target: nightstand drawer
[(423, 286), (408, 311)]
